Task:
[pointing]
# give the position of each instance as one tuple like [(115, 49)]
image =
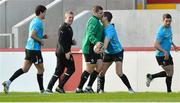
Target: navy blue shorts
[(162, 62), (34, 56), (113, 57), (92, 58)]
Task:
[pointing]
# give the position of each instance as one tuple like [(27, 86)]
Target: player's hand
[(74, 42), (68, 55), (99, 52), (166, 56), (42, 43), (45, 36), (99, 48), (99, 44), (175, 48)]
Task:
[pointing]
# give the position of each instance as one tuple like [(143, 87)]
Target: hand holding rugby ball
[(98, 48)]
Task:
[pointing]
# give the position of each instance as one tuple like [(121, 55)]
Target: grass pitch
[(106, 97)]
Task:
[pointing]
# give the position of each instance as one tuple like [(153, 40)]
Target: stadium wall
[(136, 65), (79, 5), (2, 16), (136, 28), (78, 24), (17, 10), (12, 12), (2, 23), (178, 7), (51, 24)]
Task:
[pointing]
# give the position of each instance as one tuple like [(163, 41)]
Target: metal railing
[(10, 35)]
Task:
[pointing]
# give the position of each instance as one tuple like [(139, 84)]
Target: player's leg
[(169, 68), (107, 61), (38, 62), (101, 77), (150, 77), (93, 76), (40, 68), (90, 65), (25, 68), (58, 71), (156, 75), (27, 64), (119, 72), (84, 76), (169, 71), (70, 70)]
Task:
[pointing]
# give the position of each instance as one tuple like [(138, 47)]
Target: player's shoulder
[(63, 26), (36, 21), (161, 27), (110, 27), (93, 20)]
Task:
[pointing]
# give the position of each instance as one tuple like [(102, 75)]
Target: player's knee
[(71, 71), (119, 74), (89, 70), (57, 73), (98, 70), (102, 73), (170, 73), (41, 71), (25, 70)]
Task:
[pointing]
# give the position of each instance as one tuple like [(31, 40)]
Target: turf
[(106, 97)]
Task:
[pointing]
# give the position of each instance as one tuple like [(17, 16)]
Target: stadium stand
[(160, 4)]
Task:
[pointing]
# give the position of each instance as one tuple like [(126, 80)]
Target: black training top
[(65, 34)]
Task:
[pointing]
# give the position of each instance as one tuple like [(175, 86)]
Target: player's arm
[(34, 36), (45, 36), (175, 47), (93, 39), (91, 33), (109, 35), (106, 42), (64, 42), (158, 47), (73, 42)]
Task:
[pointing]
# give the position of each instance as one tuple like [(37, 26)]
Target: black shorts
[(113, 57), (162, 62), (92, 58), (34, 56)]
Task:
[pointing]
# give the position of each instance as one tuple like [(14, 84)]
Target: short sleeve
[(35, 27), (159, 35), (110, 33)]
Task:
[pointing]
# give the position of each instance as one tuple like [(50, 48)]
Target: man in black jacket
[(63, 54)]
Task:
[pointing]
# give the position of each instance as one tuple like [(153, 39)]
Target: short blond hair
[(68, 12)]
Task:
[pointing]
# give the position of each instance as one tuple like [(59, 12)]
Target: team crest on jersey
[(92, 60)]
